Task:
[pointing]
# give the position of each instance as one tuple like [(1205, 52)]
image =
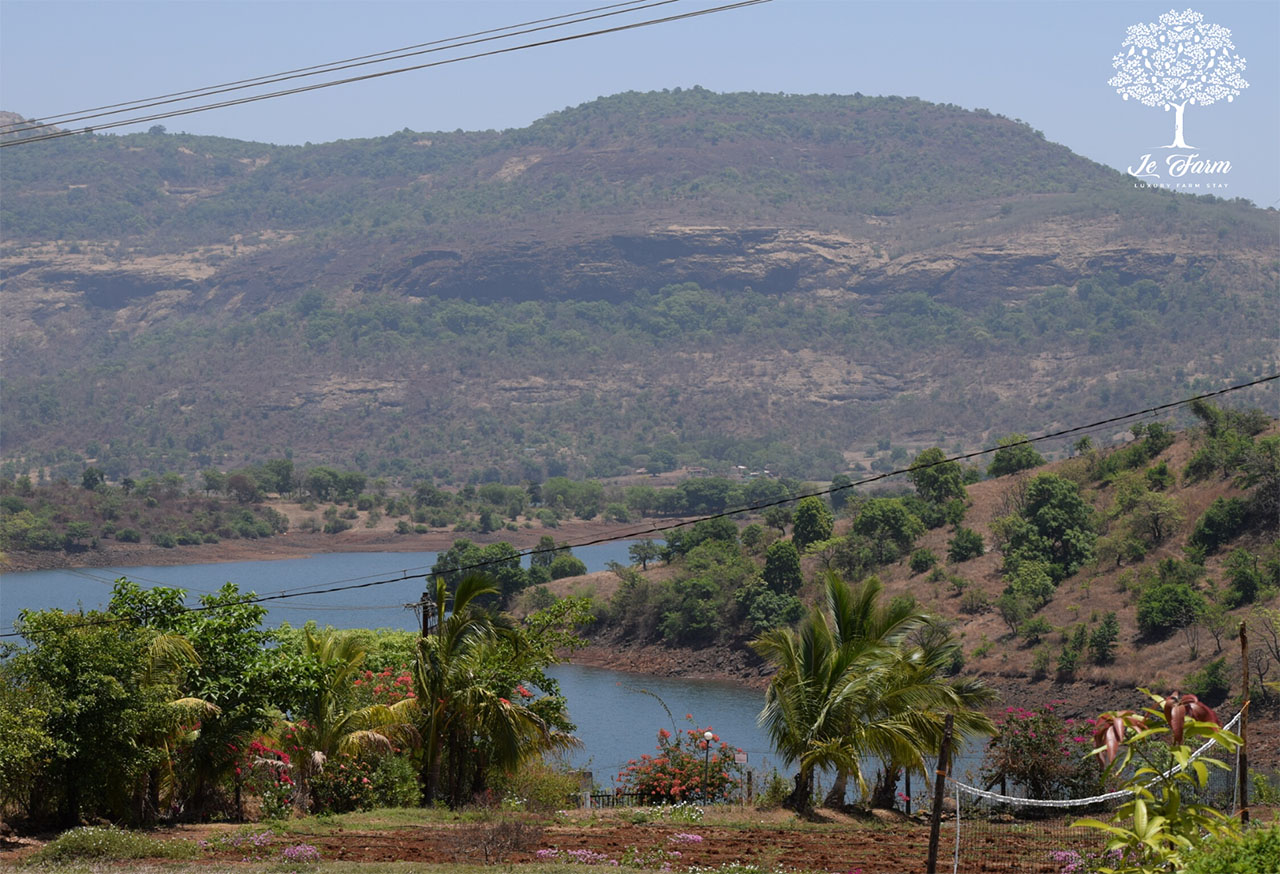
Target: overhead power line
[(366, 76), (658, 528), (466, 39)]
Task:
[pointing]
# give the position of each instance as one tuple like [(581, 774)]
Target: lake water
[(374, 607), (618, 714)]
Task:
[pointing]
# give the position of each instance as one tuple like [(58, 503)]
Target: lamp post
[(706, 766)]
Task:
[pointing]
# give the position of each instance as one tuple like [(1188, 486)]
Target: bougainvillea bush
[(266, 772), (1044, 754), (676, 772)]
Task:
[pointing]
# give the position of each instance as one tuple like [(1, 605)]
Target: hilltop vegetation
[(774, 281), (1127, 566)]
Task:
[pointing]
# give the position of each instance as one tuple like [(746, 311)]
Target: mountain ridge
[(435, 269)]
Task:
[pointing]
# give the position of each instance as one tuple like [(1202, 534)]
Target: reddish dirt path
[(873, 847)]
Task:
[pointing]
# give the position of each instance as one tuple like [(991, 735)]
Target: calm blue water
[(375, 607)]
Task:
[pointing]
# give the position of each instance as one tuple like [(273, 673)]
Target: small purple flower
[(301, 853)]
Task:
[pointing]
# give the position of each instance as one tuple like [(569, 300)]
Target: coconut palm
[(461, 678), (850, 684), (327, 724)]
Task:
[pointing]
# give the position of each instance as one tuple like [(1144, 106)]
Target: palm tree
[(467, 724), (327, 725), (850, 685)]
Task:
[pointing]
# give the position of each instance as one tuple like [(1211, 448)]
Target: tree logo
[(1176, 62)]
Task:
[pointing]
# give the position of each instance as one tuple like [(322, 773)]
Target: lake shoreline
[(299, 544)]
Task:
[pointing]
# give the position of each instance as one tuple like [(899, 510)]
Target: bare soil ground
[(831, 841)]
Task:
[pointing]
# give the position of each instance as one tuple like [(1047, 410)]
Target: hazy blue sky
[(1044, 62)]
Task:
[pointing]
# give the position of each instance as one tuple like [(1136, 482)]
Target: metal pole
[(706, 774), (1243, 776), (939, 790)]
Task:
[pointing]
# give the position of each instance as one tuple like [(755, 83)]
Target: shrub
[(394, 783), (676, 772), (1212, 682), (1102, 642), (539, 785), (164, 539), (974, 601), (1166, 607), (1258, 849), (95, 842), (1034, 629), (965, 545), (565, 565), (1014, 454), (343, 786), (129, 535), (1040, 663), (1225, 519), (921, 560), (1043, 753)]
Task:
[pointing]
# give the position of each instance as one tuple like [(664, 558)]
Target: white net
[(1006, 832)]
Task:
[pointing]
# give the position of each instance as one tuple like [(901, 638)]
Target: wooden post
[(751, 779), (426, 612), (1243, 776), (939, 791), (908, 792)]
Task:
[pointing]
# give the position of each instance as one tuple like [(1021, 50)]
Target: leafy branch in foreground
[(1159, 825)]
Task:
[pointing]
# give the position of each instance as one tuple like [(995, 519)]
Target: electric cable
[(329, 588), (367, 76), (333, 66)]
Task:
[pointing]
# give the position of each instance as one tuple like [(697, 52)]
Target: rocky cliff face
[(40, 282)]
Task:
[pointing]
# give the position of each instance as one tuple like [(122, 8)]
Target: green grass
[(373, 820), (111, 844)]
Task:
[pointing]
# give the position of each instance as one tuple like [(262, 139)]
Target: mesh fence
[(994, 832)]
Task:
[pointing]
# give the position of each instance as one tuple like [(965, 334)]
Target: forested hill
[(770, 280)]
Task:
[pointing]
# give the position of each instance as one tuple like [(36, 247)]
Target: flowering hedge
[(1046, 755), (266, 772), (676, 772)]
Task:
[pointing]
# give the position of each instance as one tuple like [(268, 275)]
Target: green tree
[(327, 722), (92, 478), (936, 479), (566, 565), (1055, 526), (89, 675), (238, 669), (848, 684), (1166, 607), (966, 544), (643, 552), (465, 671), (840, 491), (1154, 517), (812, 522), (1102, 642), (25, 745), (277, 476), (213, 480), (1015, 453), (889, 526), (777, 517), (782, 568)]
